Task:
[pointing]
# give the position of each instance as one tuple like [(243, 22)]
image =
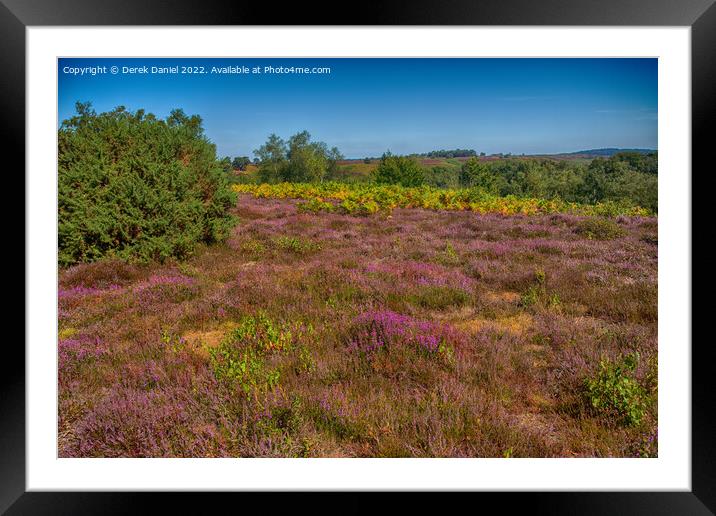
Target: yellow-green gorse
[(367, 199)]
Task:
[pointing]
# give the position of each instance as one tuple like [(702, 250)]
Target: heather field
[(315, 331)]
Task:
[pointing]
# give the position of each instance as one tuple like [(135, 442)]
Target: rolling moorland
[(312, 306)]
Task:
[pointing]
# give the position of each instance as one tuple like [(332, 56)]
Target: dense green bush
[(600, 228), (399, 170), (475, 173), (442, 177), (137, 187)]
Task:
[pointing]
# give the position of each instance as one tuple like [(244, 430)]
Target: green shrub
[(138, 188), (442, 176), (253, 247), (600, 228), (614, 393), (399, 170), (240, 358), (296, 245), (537, 294), (247, 356), (439, 297), (477, 174), (245, 368), (449, 256)]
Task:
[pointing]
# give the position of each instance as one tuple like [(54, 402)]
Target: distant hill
[(458, 154), (605, 152)]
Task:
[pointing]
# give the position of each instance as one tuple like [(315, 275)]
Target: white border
[(672, 470)]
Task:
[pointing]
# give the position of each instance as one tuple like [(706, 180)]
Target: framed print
[(416, 253)]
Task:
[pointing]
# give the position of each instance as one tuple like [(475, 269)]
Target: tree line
[(454, 153), (626, 177)]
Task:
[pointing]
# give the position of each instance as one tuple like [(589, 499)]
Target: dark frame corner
[(700, 15)]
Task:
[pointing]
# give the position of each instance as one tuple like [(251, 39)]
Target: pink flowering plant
[(425, 333), (384, 331)]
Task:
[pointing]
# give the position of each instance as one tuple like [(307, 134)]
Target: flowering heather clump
[(412, 332), (436, 275), (334, 413), (75, 350), (136, 423), (80, 291), (376, 331), (647, 446), (166, 279), (173, 288)]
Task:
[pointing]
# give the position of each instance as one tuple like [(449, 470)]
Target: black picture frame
[(16, 15)]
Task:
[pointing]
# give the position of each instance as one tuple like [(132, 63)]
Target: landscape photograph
[(357, 257)]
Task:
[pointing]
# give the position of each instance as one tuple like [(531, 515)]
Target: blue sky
[(368, 106)]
